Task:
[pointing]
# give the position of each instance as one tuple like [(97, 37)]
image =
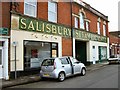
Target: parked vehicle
[(61, 67), (114, 60)]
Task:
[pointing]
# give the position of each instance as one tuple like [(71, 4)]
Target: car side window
[(74, 60), (64, 61)]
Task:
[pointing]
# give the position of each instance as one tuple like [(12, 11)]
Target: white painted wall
[(20, 36), (90, 49), (5, 58)]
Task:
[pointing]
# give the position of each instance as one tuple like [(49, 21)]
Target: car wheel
[(42, 78), (61, 76), (83, 71)]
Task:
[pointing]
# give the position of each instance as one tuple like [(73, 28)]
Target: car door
[(76, 65), (66, 66)]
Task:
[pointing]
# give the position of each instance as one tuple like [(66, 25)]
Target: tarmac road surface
[(105, 77)]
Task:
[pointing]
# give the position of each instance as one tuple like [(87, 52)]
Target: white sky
[(108, 8)]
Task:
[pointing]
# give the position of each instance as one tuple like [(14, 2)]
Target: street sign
[(4, 31)]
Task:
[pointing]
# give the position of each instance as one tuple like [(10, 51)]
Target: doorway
[(80, 51), (1, 62)]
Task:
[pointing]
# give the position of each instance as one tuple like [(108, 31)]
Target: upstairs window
[(76, 22), (98, 27), (52, 11), (82, 23), (30, 8), (104, 30), (87, 26)]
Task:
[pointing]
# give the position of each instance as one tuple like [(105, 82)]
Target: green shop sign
[(4, 31), (35, 25), (83, 35)]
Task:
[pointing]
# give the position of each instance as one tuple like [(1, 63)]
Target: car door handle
[(63, 66), (73, 65)]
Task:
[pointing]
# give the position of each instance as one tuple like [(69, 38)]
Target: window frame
[(87, 26), (55, 13), (104, 29), (27, 2), (82, 24), (98, 28), (76, 22), (66, 61)]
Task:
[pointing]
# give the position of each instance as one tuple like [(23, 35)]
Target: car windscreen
[(48, 62)]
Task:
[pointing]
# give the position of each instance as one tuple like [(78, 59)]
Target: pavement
[(36, 77)]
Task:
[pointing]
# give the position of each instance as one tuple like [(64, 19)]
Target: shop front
[(89, 47), (36, 51), (36, 40), (4, 53)]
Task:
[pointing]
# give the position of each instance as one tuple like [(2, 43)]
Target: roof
[(93, 10), (115, 33)]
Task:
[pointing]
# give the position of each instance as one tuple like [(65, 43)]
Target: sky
[(108, 8)]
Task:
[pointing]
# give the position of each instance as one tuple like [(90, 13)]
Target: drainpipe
[(71, 24)]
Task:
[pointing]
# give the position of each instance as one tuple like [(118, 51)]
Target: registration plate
[(46, 75)]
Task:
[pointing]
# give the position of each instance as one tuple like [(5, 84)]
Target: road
[(105, 77)]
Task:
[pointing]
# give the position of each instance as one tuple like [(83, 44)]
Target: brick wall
[(114, 39), (66, 47), (64, 13), (5, 14)]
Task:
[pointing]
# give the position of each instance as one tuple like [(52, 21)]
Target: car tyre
[(61, 76), (83, 71), (42, 78)]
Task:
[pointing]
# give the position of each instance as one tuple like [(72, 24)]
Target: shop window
[(76, 22), (52, 11), (30, 8), (102, 52), (35, 52), (54, 50), (82, 23)]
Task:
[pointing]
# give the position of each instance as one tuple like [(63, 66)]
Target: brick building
[(114, 44), (53, 29)]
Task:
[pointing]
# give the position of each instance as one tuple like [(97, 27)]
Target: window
[(48, 62), (52, 11), (30, 8), (76, 22), (54, 49), (98, 27), (35, 52), (82, 21), (64, 61), (104, 29), (87, 26)]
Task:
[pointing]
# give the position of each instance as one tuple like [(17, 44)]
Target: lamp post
[(15, 45)]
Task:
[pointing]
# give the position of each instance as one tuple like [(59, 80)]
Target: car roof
[(58, 57)]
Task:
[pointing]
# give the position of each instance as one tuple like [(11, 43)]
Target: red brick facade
[(66, 12), (64, 15), (66, 47), (114, 45)]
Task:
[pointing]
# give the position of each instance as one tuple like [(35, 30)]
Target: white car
[(114, 60), (61, 67)]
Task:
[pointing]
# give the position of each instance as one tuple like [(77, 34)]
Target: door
[(80, 50), (1, 62), (76, 66), (94, 55), (66, 66)]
